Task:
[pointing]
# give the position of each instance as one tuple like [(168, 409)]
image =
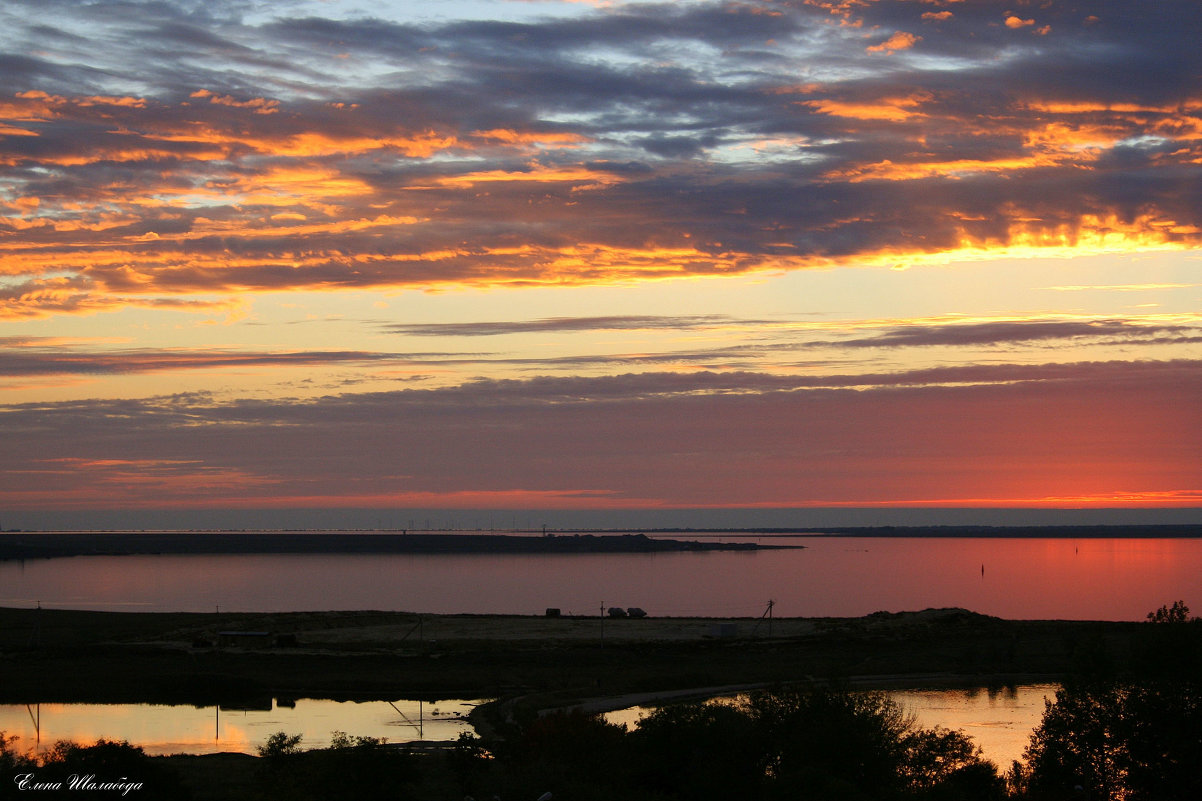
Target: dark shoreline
[(1117, 531), (49, 545), (53, 544)]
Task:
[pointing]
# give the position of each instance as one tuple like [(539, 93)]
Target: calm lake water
[(1074, 579), (999, 721), (181, 729)]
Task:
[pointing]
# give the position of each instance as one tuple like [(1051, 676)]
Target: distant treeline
[(48, 545), (1123, 531)]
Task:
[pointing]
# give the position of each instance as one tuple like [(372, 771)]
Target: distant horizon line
[(615, 520), (937, 529), (1082, 532)]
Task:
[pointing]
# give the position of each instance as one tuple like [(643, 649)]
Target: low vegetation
[(1129, 734), (787, 744), (105, 769)]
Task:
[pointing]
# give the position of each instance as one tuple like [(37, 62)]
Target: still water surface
[(1073, 579), (1000, 722), (181, 729)]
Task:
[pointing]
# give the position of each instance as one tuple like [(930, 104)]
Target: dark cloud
[(21, 356), (776, 340), (1025, 332), (173, 148), (564, 324)]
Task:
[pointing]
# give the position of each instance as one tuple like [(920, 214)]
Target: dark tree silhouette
[(1135, 736)]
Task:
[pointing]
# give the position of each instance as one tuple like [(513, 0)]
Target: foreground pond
[(1000, 721), (163, 729)]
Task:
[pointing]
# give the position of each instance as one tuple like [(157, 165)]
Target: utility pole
[(35, 639), (766, 616)]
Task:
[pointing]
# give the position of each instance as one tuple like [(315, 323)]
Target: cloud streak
[(560, 325), (763, 339), (1002, 432)]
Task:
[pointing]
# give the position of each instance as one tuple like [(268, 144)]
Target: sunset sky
[(511, 255)]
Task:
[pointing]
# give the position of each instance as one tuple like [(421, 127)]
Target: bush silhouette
[(1118, 740), (352, 768), (105, 763)]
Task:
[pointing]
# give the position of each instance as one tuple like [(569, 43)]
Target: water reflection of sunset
[(1023, 578), (162, 729), (999, 721)]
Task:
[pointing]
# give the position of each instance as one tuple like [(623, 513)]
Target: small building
[(616, 611), (552, 611), (635, 611)]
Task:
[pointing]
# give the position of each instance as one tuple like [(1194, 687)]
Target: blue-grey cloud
[(710, 138)]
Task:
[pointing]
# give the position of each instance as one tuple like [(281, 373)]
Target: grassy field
[(56, 655)]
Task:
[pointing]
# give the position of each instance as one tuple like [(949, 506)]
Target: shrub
[(110, 763), (1119, 740)]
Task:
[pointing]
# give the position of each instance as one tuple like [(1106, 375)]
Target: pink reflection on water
[(1083, 579)]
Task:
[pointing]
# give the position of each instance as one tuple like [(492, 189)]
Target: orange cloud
[(100, 153), (258, 105), (894, 109), (138, 481), (1098, 500), (537, 173), (898, 41), (205, 227), (512, 137), (889, 171), (287, 185), (9, 130), (1090, 234), (418, 145), (217, 196)]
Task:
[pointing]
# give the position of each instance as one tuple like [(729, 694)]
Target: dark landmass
[(1126, 531), (46, 545), (528, 664), (227, 658)]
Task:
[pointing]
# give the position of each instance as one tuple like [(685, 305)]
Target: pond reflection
[(999, 721), (1018, 579), (177, 729)]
